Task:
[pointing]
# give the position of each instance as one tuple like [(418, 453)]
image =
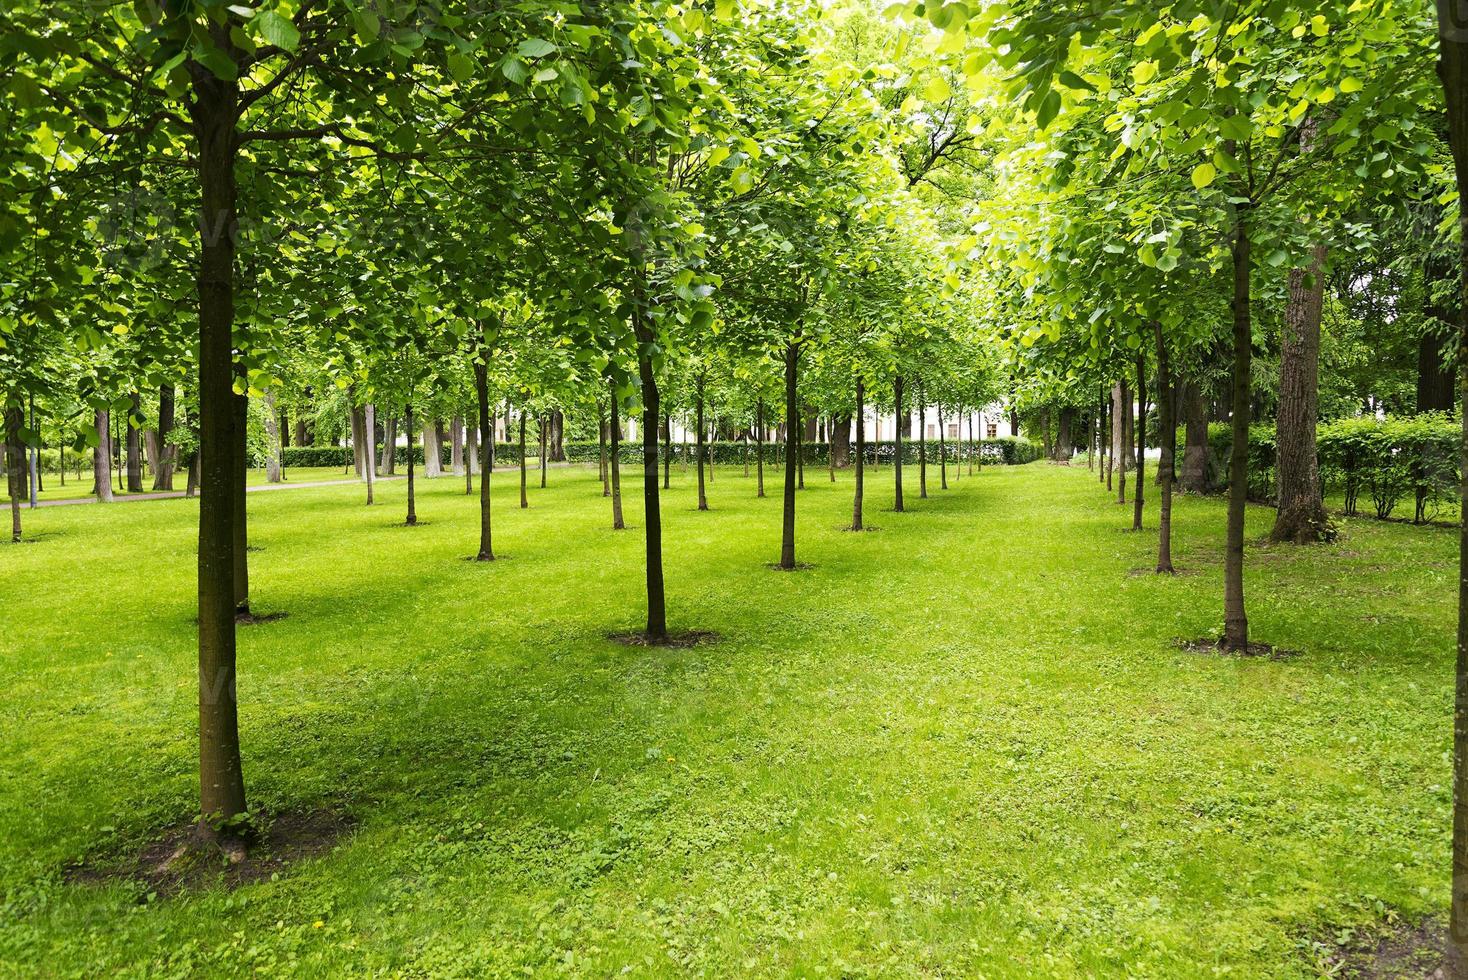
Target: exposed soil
[(253, 619), (857, 530), (1214, 648), (414, 524), (1178, 571), (179, 860), (800, 566), (680, 641), (1400, 952)]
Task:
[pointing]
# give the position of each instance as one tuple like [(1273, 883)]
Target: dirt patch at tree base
[(254, 619), (180, 860), (1400, 952), (1177, 572), (1214, 648), (869, 528), (800, 566), (681, 641)]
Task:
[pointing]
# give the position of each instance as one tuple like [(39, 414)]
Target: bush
[(1413, 457), (1007, 451)]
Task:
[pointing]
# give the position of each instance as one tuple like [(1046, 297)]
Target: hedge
[(1385, 461), (1006, 450)]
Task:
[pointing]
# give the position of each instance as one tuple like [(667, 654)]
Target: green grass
[(963, 744)]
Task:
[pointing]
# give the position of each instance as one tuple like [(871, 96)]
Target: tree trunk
[(1121, 433), (840, 433), (1139, 431), (456, 445), (1064, 442), (544, 448), (667, 449), (214, 111), (389, 447), (524, 500), (300, 436), (1300, 517), (799, 447), (167, 453), (615, 431), (1195, 446), (657, 614), (474, 448), (857, 522), (369, 459), (14, 465), (237, 492), (273, 472), (134, 445), (759, 447), (486, 438), (792, 424), (942, 451), (360, 451), (412, 518), (102, 458), (922, 438), (558, 435), (433, 448), (603, 471), (1453, 69), (1165, 404), (703, 500), (897, 442), (1235, 621)]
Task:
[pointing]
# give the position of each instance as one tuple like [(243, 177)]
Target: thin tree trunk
[(703, 500), (759, 447), (485, 439), (657, 613), (799, 448), (857, 523), (524, 500), (897, 441), (942, 451), (604, 472), (667, 449), (1300, 517), (1121, 431), (214, 111), (922, 441), (1165, 466), (408, 425), (544, 448), (1139, 431), (14, 463), (456, 445), (615, 431), (792, 425), (476, 452), (369, 461), (1235, 621)]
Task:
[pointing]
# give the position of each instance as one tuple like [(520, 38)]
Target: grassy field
[(965, 744)]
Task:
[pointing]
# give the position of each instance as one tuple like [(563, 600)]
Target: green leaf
[(277, 30), (535, 47), (460, 66), (1203, 175), (221, 65)]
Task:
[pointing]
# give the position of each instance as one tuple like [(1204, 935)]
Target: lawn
[(964, 744)]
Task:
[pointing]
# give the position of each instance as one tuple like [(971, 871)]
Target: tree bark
[(922, 441), (942, 451), (614, 429), (524, 500), (412, 517), (369, 459), (214, 111), (657, 613), (799, 448), (1195, 447), (667, 449), (163, 462), (486, 438), (389, 459), (14, 465), (1140, 433), (1235, 620), (102, 458), (1165, 466), (841, 440), (759, 447), (133, 445), (1453, 70), (897, 442), (1119, 432), (237, 494), (433, 448), (456, 444), (792, 423), (544, 448), (1064, 442), (273, 447), (703, 500), (857, 522), (1300, 517)]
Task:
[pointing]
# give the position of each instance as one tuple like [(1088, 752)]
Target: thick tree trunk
[(615, 430), (657, 613), (1121, 410), (1235, 621), (214, 111), (300, 437), (369, 459), (360, 451), (433, 448), (897, 442), (167, 453), (273, 448), (1301, 516), (1139, 431), (792, 420), (1453, 69), (558, 435), (1165, 403), (841, 440), (102, 458), (389, 460), (412, 517), (133, 445), (485, 427), (1195, 446), (1064, 441), (759, 447)]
